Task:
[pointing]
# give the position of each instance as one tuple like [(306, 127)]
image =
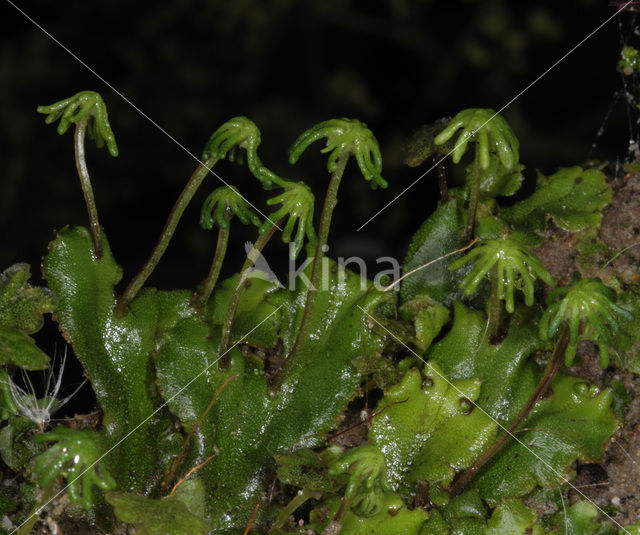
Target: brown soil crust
[(614, 483)]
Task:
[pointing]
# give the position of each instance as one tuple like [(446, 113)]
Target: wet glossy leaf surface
[(248, 424), (575, 423), (115, 351), (421, 434), (439, 234)]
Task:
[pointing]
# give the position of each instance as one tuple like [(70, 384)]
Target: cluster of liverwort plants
[(233, 408)]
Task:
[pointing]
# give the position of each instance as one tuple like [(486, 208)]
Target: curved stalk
[(167, 232), (550, 372), (87, 190), (330, 202), (230, 316), (201, 300)]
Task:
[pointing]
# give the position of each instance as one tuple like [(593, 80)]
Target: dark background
[(286, 64)]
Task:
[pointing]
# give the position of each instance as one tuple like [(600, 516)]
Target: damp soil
[(612, 253)]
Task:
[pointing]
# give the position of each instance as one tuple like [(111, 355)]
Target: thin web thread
[(628, 92)]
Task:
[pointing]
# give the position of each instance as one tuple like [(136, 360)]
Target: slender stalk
[(167, 232), (474, 196), (494, 308), (216, 265), (330, 202), (297, 502), (230, 316), (87, 190), (550, 372)]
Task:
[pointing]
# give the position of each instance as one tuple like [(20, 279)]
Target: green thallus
[(75, 457)]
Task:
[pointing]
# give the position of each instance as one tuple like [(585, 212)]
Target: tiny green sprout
[(344, 136), (367, 469), (629, 60), (223, 203), (491, 133), (85, 106), (75, 457), (239, 132), (513, 265), (298, 203), (587, 303)]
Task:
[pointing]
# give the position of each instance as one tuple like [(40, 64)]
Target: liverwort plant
[(345, 137), (493, 136), (367, 483), (218, 209), (226, 409), (76, 457), (87, 110), (586, 304), (298, 204), (588, 309), (509, 265), (239, 133)]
